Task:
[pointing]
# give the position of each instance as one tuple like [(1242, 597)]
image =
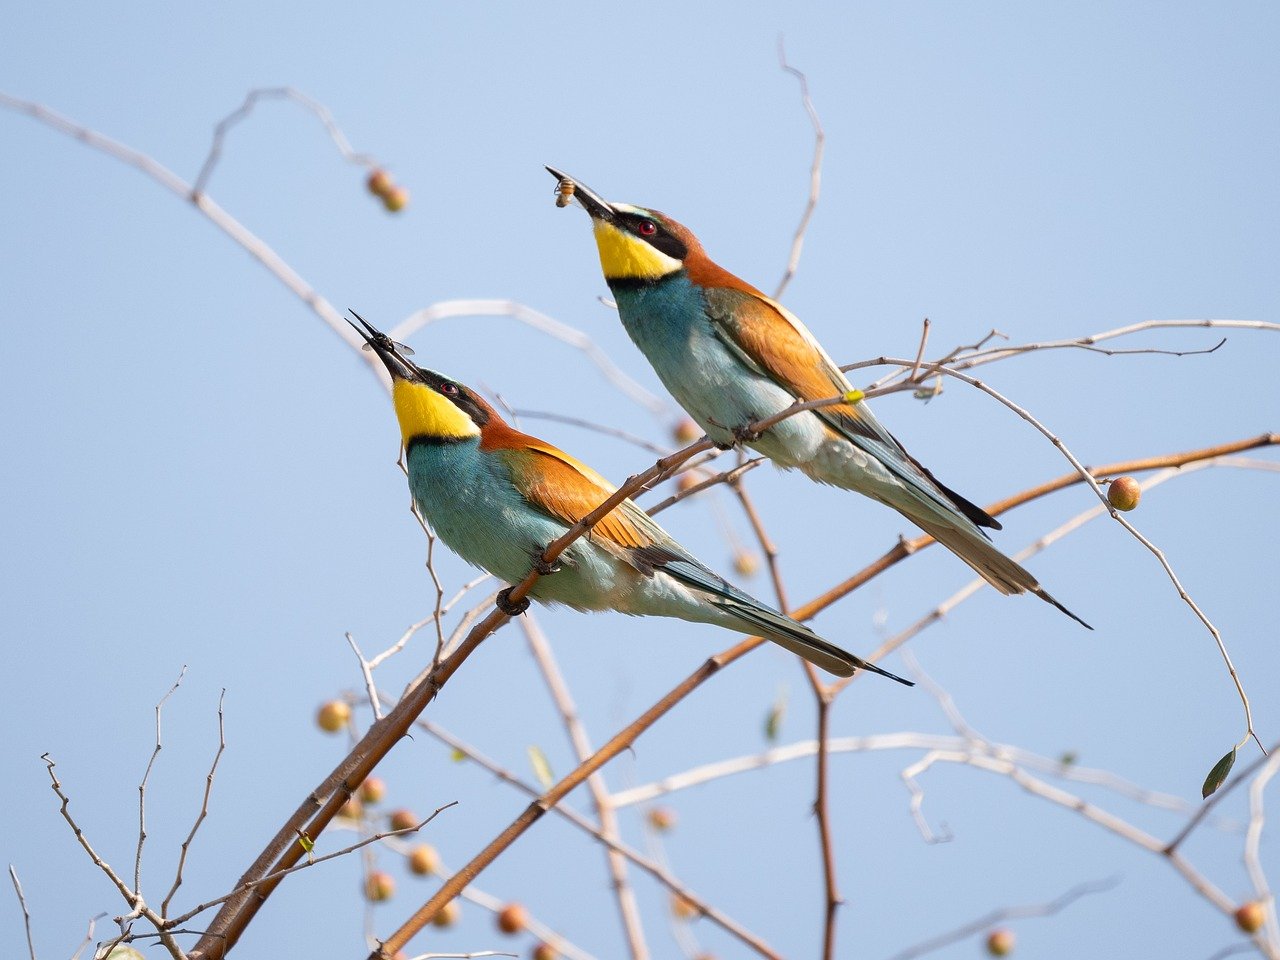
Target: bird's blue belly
[(470, 503), (669, 324)]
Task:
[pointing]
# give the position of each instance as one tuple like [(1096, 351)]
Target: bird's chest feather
[(669, 323)]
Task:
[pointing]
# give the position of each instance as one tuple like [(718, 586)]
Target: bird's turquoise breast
[(669, 323), (467, 497)]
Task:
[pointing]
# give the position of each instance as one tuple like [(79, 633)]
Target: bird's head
[(431, 408), (636, 244)]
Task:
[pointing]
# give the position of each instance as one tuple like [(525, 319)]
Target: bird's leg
[(507, 606), (746, 434), (546, 569), (719, 445)]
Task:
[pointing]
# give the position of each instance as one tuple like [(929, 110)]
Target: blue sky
[(197, 472)]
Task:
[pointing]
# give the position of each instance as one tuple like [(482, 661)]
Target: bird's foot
[(546, 569), (746, 434), (512, 608)]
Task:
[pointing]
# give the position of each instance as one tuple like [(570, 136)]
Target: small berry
[(682, 908), (423, 860), (685, 432), (333, 716), (1251, 916), (448, 915), (403, 819), (353, 809), (379, 886), (396, 199), (1000, 943), (380, 183), (1124, 493), (512, 918), (688, 481), (746, 563), (662, 819), (543, 951), (373, 789)]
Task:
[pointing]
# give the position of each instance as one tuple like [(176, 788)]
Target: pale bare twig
[(88, 936), (649, 865), (725, 476), (602, 428), (142, 786), (1087, 477), (306, 864), (628, 909), (815, 172), (26, 914), (276, 93), (366, 671), (204, 807), (575, 338), (1003, 915), (1252, 844)]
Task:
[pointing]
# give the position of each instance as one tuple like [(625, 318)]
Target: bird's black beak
[(592, 202), (388, 350)]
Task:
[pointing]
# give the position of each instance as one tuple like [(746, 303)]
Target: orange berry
[(688, 481), (543, 951), (395, 199), (424, 860), (662, 819), (685, 432), (373, 789), (353, 809), (333, 716), (380, 183), (379, 886), (746, 563), (1251, 916), (403, 819), (1123, 493), (448, 915), (682, 908), (1000, 943), (512, 918)]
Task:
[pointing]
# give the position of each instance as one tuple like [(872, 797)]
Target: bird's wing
[(772, 340), (567, 489)]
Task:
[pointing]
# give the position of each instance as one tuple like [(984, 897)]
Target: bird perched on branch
[(732, 357), (497, 497)]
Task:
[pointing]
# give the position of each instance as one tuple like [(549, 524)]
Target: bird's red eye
[(449, 389), (647, 228)]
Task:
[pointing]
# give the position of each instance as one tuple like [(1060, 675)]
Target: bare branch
[(204, 807), (276, 93), (142, 786), (1004, 914), (815, 172), (26, 914)]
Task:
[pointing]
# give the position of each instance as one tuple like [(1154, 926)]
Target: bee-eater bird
[(732, 356), (497, 497)]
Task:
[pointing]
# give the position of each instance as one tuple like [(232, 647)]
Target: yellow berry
[(448, 914), (373, 789), (403, 819), (512, 918), (1124, 493), (396, 199), (685, 432), (379, 886), (1000, 943), (423, 860), (1251, 916), (333, 716), (746, 563)]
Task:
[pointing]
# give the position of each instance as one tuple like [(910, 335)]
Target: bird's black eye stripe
[(655, 234)]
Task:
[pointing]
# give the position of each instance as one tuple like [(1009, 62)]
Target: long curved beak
[(592, 202), (385, 348)]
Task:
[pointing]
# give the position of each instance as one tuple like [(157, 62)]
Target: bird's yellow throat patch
[(424, 413), (627, 257)]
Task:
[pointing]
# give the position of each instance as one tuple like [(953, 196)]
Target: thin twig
[(815, 172), (276, 93), (142, 786), (204, 807), (628, 909), (26, 914), (1005, 914)]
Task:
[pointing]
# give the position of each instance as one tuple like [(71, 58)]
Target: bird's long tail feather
[(1006, 575)]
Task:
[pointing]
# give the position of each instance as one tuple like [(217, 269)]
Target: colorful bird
[(732, 356), (497, 497)]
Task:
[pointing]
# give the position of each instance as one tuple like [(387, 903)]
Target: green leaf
[(541, 769), (773, 719), (305, 842), (457, 756), (1218, 774)]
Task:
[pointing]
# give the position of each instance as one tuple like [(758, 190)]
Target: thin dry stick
[(276, 93), (628, 909), (142, 787), (1252, 844), (650, 866), (815, 172), (204, 807), (311, 861), (1003, 915), (138, 906), (26, 914)]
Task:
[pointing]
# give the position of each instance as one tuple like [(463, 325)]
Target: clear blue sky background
[(197, 472)]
